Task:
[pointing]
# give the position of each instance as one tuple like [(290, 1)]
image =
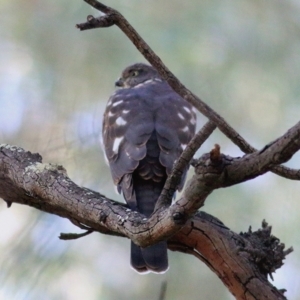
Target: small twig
[(163, 289), (286, 172), (113, 17), (74, 236)]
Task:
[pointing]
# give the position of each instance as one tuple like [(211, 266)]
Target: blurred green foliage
[(242, 57)]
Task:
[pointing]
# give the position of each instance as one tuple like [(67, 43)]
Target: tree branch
[(241, 261), (223, 251), (26, 180), (34, 182), (113, 17), (182, 163)]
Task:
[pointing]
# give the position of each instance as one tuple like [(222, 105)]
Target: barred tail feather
[(155, 257)]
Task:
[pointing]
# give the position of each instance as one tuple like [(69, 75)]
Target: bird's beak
[(119, 82)]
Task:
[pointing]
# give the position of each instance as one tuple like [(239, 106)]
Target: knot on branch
[(99, 22), (265, 250), (179, 218), (211, 166)]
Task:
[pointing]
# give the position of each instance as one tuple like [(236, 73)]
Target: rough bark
[(25, 179)]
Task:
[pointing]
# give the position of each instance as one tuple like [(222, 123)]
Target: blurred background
[(242, 57)]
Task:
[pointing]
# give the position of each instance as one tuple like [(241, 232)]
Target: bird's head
[(136, 74)]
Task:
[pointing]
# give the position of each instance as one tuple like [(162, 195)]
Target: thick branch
[(26, 180), (217, 246), (35, 182)]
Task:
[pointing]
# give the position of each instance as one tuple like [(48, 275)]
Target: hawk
[(146, 126)]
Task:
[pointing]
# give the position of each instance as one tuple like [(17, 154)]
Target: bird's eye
[(134, 73)]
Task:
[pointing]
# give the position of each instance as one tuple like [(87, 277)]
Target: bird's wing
[(175, 126), (127, 126)]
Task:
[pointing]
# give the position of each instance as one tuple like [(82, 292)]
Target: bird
[(146, 126)]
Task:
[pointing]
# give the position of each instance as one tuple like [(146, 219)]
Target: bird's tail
[(153, 258)]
